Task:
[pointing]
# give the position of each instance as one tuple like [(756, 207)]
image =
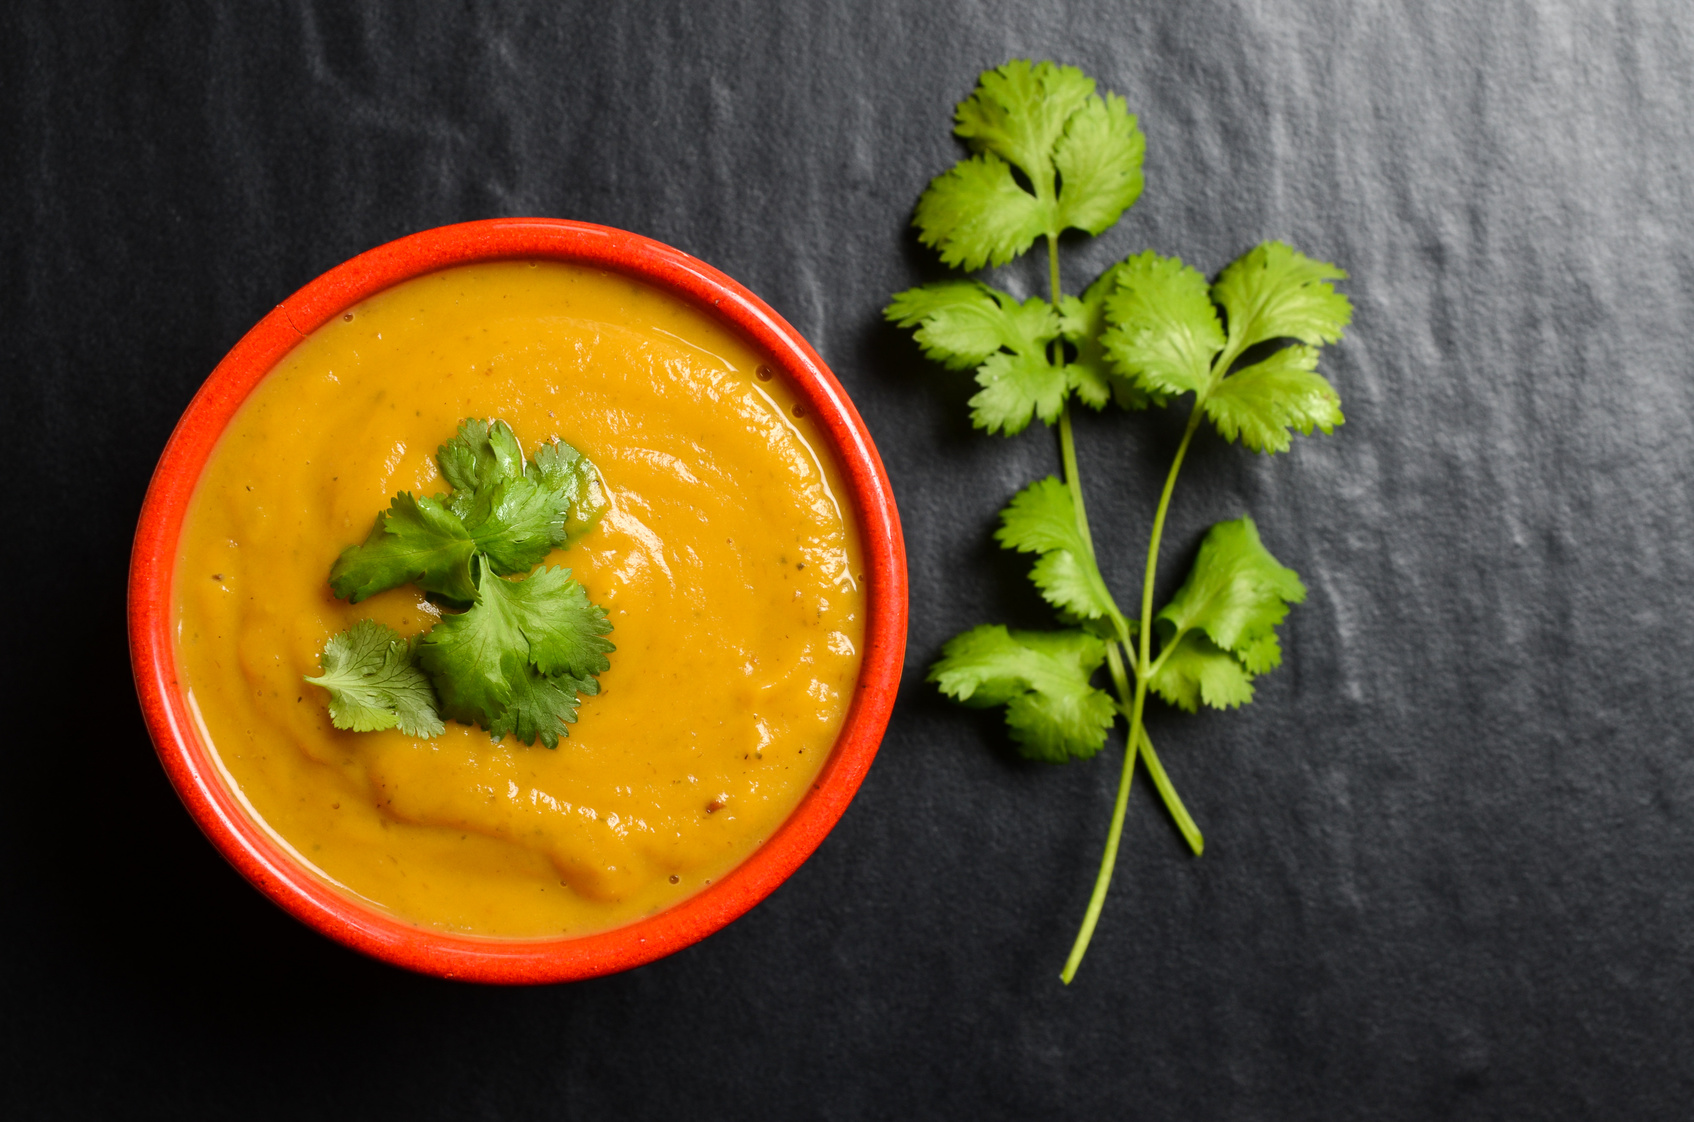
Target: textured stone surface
[(1450, 847)]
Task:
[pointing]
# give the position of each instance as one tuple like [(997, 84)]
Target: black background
[(1450, 847)]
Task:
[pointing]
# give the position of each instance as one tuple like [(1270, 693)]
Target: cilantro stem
[(1073, 475), (1108, 861), (1053, 269), (1114, 663), (1173, 801), (1144, 663), (1161, 781), (1137, 734), (1067, 441), (1073, 481)]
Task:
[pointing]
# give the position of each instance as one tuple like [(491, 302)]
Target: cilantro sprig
[(1150, 331), (517, 654), (509, 512)]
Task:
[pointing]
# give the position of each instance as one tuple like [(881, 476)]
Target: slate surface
[(1451, 845)]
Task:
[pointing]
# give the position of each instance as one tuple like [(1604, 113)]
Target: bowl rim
[(218, 807)]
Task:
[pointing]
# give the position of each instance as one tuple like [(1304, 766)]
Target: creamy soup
[(727, 563)]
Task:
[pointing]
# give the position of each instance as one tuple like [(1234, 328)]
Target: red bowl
[(246, 845)]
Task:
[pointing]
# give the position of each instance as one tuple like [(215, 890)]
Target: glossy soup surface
[(726, 562)]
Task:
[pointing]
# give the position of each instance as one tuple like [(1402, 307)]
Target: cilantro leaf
[(374, 684), (960, 323), (541, 706), (559, 467), (415, 541), (517, 513), (1165, 335), (1274, 292), (1018, 112), (563, 630), (1260, 656), (1165, 331), (1099, 164), (1220, 628), (516, 522), (511, 512), (472, 657), (477, 656), (483, 453), (1080, 156), (1042, 519), (1080, 324), (975, 214), (1264, 401), (1015, 387), (1042, 677), (1083, 324), (964, 323), (1197, 670), (1236, 592)]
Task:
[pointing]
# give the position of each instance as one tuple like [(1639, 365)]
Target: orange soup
[(726, 561)]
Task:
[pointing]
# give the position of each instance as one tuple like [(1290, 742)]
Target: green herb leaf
[(960, 323), (1197, 670), (559, 467), (1092, 374), (1166, 337), (1099, 164), (1237, 593), (1080, 323), (1042, 677), (964, 324), (1274, 292), (472, 658), (1260, 656), (1018, 112), (1226, 611), (482, 454), (565, 632), (1014, 388), (975, 214), (1266, 400), (517, 519), (476, 657), (1044, 120), (374, 684), (1042, 519), (415, 541), (513, 513), (1165, 331), (516, 522), (541, 706)]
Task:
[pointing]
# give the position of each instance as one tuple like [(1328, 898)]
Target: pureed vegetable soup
[(726, 563)]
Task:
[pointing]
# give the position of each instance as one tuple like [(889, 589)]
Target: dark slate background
[(1450, 846)]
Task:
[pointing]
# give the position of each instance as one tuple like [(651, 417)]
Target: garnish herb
[(374, 683), (517, 654), (1147, 332)]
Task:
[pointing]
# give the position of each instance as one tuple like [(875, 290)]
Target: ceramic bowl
[(219, 810)]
